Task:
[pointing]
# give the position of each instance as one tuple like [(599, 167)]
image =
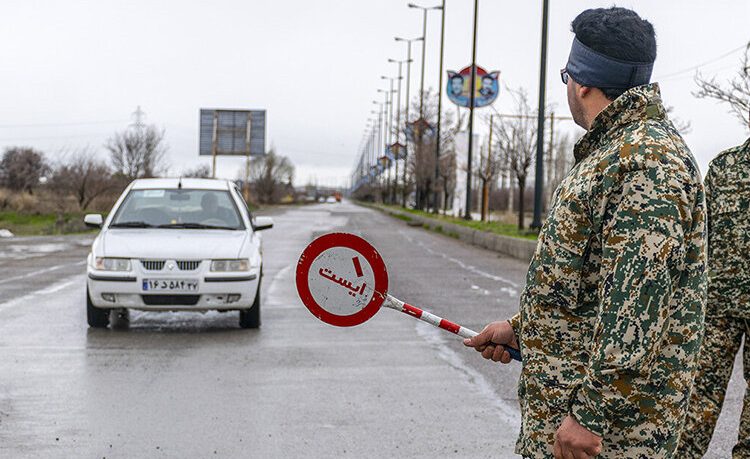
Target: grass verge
[(23, 224), (504, 229)]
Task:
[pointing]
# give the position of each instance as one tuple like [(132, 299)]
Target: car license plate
[(170, 285)]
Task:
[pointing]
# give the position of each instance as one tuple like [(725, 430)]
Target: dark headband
[(591, 68)]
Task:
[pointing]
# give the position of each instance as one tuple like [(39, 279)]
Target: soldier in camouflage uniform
[(728, 310), (611, 318)]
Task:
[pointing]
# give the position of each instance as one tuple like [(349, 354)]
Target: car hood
[(172, 243)]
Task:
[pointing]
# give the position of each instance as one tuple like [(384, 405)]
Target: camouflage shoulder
[(728, 154)]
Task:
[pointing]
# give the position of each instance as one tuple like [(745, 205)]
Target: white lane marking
[(460, 263), (54, 288), (278, 290), (509, 412), (41, 271)]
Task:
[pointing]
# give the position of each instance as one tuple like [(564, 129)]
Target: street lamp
[(440, 107), (398, 122), (387, 97), (408, 42), (424, 9), (536, 223), (390, 128), (472, 89)]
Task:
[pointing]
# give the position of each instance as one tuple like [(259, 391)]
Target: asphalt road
[(195, 385)]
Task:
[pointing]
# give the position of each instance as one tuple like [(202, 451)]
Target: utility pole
[(487, 173), (138, 117), (472, 88), (440, 107), (539, 176), (390, 132), (424, 48), (398, 129), (550, 161), (408, 103)]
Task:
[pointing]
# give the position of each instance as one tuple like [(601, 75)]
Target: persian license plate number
[(170, 285)]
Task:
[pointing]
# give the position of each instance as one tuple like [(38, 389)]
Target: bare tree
[(83, 176), (683, 127), (202, 171), (517, 144), (270, 176), (486, 171), (21, 168), (138, 151), (736, 94), (447, 175), (421, 158)]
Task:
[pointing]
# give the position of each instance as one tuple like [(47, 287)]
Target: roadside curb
[(520, 249)]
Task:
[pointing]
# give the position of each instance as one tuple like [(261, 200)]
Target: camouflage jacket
[(611, 317), (728, 202)]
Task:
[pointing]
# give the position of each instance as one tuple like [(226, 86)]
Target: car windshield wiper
[(131, 225), (195, 226)]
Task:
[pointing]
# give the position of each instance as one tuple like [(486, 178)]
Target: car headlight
[(230, 265), (112, 264)]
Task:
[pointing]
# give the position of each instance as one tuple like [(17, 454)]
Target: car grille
[(170, 300), (152, 265), (188, 265), (182, 265)]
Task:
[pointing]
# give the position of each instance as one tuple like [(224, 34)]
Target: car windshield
[(179, 209)]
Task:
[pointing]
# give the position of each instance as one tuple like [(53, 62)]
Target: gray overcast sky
[(74, 71)]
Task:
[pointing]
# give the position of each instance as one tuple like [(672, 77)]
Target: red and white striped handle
[(432, 319)]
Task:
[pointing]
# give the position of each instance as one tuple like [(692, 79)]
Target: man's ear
[(584, 91)]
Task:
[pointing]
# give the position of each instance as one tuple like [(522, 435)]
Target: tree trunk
[(485, 199), (521, 189)]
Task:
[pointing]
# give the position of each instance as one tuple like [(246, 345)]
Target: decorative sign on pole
[(487, 87), (417, 127), (343, 281), (397, 150)]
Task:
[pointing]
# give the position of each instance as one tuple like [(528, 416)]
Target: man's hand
[(491, 341), (573, 441)]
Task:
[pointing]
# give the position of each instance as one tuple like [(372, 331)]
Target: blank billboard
[(231, 132)]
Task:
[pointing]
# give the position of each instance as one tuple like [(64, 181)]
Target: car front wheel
[(250, 318), (97, 317)]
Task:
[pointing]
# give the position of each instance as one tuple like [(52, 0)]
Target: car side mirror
[(262, 223), (93, 220)]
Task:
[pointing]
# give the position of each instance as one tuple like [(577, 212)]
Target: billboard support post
[(247, 162), (213, 144)]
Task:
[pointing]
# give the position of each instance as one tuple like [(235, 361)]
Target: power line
[(75, 123), (696, 67), (54, 137)]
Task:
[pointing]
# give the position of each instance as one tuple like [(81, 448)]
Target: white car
[(176, 245)]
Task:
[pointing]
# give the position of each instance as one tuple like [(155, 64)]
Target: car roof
[(187, 183)]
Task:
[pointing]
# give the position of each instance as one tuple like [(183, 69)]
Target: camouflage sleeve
[(708, 184), (642, 238), (515, 323)]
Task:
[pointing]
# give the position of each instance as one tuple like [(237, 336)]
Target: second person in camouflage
[(728, 310)]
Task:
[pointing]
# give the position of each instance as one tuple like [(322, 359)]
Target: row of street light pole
[(385, 118), (383, 129)]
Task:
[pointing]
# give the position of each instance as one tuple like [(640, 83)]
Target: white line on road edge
[(509, 413), (275, 293), (41, 271), (460, 263), (54, 288)]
